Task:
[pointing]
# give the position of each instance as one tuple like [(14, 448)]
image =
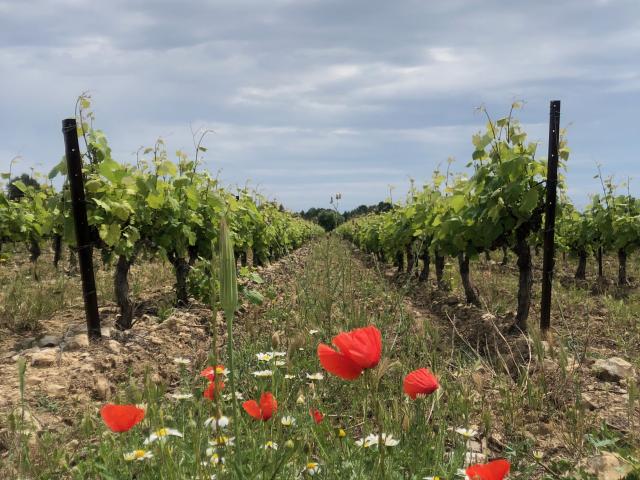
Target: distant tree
[(14, 193)]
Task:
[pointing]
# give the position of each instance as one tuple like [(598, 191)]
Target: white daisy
[(217, 423), (315, 376), (288, 376), (181, 361), (162, 434), (288, 421), (278, 354), (138, 455), (270, 445), (389, 441), (280, 363), (466, 432), (313, 332), (214, 459), (312, 468), (227, 396), (300, 400), (262, 373), (221, 441), (264, 357), (370, 440)]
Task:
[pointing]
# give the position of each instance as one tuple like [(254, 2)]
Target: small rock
[(26, 343), (44, 358), (113, 346), (170, 323), (77, 342), (101, 387), (49, 341), (589, 402), (155, 340), (105, 332), (55, 390), (613, 369), (607, 466)]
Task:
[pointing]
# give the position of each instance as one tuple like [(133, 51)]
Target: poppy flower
[(263, 411), (213, 389), (358, 350), (420, 382), (495, 470), (121, 418), (317, 415)]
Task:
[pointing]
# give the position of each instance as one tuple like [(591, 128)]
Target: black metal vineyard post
[(83, 236), (550, 215)]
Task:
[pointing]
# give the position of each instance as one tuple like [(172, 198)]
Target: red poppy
[(495, 470), (213, 389), (358, 350), (120, 418), (317, 415), (420, 382), (263, 411), (210, 372)]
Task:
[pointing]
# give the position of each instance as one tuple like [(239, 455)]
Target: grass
[(332, 291)]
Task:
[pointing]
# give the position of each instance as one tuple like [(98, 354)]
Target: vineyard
[(200, 331)]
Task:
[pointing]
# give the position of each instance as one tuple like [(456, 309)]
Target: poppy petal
[(252, 408), (495, 470), (337, 363), (420, 382), (268, 405), (121, 418)]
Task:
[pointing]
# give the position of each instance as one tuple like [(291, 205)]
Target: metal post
[(83, 236), (550, 215)]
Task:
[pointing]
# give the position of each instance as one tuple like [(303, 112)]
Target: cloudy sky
[(312, 97)]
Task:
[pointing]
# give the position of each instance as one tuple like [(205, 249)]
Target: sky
[(308, 98)]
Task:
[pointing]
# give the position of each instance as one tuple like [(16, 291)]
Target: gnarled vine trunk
[(34, 250), (424, 273), (622, 267), (121, 288), (57, 250), (410, 259), (181, 269), (442, 284), (505, 256), (400, 261), (599, 258), (581, 271), (470, 291), (525, 281)]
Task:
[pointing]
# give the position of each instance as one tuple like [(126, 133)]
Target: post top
[(68, 124)]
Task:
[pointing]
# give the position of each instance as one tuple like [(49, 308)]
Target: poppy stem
[(232, 376)]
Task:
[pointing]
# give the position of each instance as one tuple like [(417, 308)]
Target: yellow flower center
[(163, 432), (342, 433), (139, 453)]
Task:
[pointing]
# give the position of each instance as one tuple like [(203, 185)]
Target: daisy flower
[(288, 421), (221, 441), (289, 377), (315, 376), (312, 468), (264, 357), (278, 354), (217, 423), (161, 435), (262, 373), (181, 361), (270, 445), (138, 455), (300, 400), (466, 432), (313, 332), (280, 363)]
